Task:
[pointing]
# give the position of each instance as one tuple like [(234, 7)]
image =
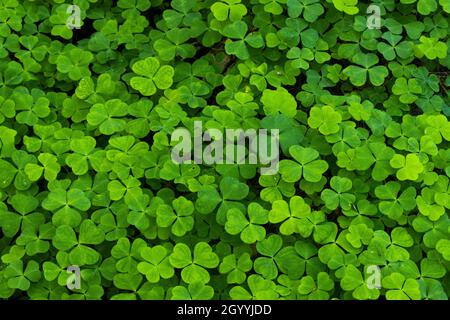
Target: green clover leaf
[(179, 219), (325, 119), (358, 75), (401, 288), (228, 9), (194, 265), (395, 206), (156, 264), (409, 167), (151, 77), (338, 197)]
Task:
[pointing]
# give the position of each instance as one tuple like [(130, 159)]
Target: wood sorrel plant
[(92, 205)]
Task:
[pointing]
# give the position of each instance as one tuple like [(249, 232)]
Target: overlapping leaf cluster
[(86, 177)]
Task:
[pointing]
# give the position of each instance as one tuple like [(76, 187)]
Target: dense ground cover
[(358, 209)]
